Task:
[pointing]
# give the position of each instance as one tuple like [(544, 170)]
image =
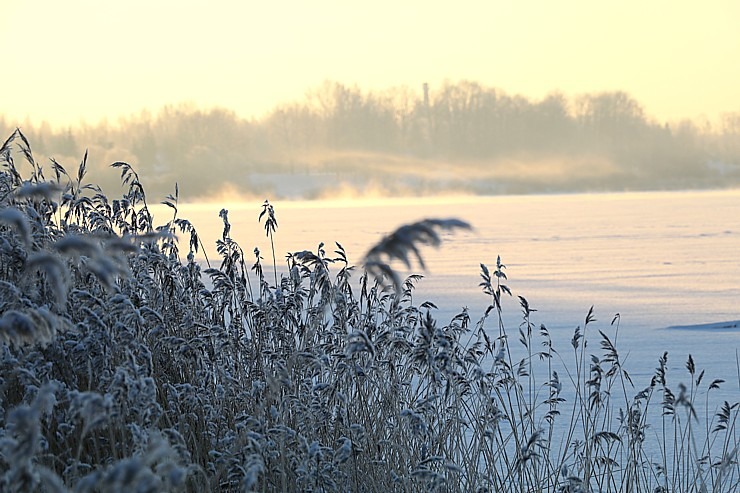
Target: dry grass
[(125, 369)]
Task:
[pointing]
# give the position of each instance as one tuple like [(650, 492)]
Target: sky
[(86, 61)]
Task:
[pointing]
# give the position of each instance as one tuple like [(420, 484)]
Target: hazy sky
[(73, 60)]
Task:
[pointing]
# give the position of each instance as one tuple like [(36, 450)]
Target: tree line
[(460, 137)]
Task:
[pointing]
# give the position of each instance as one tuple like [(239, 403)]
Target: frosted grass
[(129, 365)]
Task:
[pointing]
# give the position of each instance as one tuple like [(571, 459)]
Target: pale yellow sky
[(74, 60)]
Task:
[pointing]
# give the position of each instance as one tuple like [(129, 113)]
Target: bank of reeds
[(128, 367)]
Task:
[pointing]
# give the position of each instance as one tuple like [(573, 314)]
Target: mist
[(457, 139)]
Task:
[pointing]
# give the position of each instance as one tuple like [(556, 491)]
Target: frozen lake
[(658, 259)]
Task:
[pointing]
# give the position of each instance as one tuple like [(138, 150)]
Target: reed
[(127, 366)]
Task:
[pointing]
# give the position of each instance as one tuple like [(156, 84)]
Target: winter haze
[(326, 99)]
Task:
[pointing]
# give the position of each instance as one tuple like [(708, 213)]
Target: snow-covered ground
[(659, 260), (716, 326)]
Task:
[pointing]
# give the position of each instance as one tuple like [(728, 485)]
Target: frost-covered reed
[(125, 367)]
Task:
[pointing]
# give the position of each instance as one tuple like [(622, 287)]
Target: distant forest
[(458, 138)]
